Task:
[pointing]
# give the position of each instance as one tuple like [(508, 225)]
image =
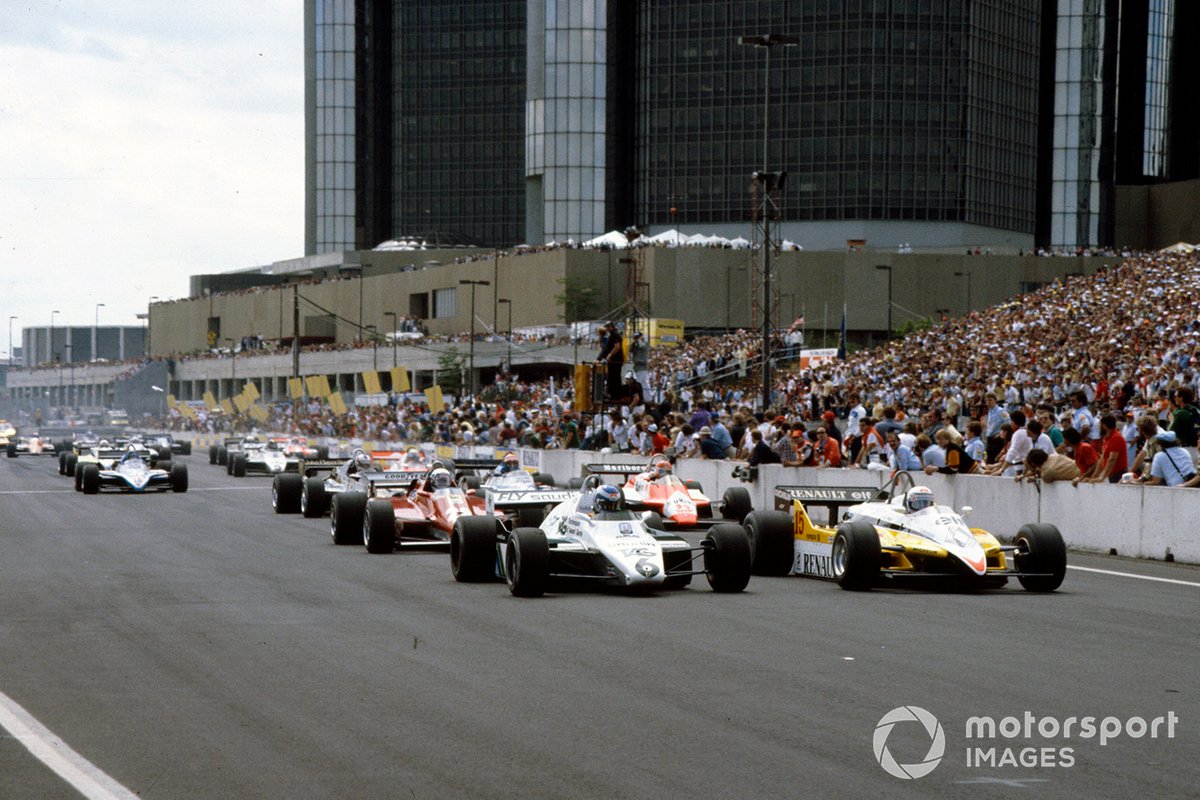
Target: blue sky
[(142, 142)]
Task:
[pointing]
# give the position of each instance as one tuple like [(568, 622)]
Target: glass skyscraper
[(937, 123)]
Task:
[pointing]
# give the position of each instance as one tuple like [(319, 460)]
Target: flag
[(842, 341)]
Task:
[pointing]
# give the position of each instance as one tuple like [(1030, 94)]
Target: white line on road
[(1134, 575), (52, 751)]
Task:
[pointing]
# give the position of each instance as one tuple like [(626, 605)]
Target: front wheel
[(346, 514), (527, 562), (239, 466), (1042, 552), (727, 557), (212, 454), (379, 527), (90, 483), (856, 555), (473, 549), (772, 542), (736, 504)]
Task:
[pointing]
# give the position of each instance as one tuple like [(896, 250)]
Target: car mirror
[(966, 510)]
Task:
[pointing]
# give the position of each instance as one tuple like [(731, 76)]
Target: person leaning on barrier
[(1172, 466), (1049, 467)]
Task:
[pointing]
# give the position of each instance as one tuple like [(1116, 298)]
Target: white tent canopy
[(610, 239)]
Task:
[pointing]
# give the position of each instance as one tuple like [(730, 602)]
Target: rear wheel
[(473, 549), (323, 452), (62, 463), (179, 478), (654, 521), (90, 482), (772, 548), (379, 527), (856, 555), (543, 479), (313, 498), (222, 455), (727, 557), (527, 562), (285, 492), (694, 486), (736, 504), (469, 482), (239, 465), (1041, 550), (346, 514), (212, 454)]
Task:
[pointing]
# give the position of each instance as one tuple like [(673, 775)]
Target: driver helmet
[(661, 467), (413, 455), (362, 460), (440, 478), (510, 463), (608, 498), (918, 497)]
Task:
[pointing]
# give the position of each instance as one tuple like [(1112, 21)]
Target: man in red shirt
[(1082, 450), (1114, 455), (827, 452), (659, 441)]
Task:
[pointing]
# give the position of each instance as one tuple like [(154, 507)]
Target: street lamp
[(889, 272), (95, 328), (471, 357), (374, 329), (395, 326), (50, 342), (508, 360), (966, 275), (769, 183)]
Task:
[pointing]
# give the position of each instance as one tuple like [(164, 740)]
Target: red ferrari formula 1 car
[(671, 503)]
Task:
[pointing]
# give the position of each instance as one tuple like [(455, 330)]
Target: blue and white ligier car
[(132, 473), (592, 538)]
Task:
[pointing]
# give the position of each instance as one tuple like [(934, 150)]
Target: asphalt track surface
[(200, 646)]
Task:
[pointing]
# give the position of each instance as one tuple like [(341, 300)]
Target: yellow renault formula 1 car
[(895, 533)]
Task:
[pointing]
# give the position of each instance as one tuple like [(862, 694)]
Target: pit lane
[(198, 645)]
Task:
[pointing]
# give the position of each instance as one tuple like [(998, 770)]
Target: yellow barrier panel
[(336, 404), (209, 401), (242, 403), (227, 407), (371, 383), (296, 388), (400, 379), (318, 385), (251, 392), (433, 396), (259, 413)]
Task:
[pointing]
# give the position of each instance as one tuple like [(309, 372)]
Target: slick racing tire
[(164, 465), (727, 557), (527, 562), (90, 482), (12, 451), (179, 477), (62, 463), (212, 454), (71, 464), (185, 448), (1040, 549), (469, 482), (285, 492), (543, 479), (346, 514), (222, 455), (735, 504), (473, 549), (856, 555), (772, 548), (379, 526), (530, 517), (239, 466), (654, 521), (313, 499), (79, 477), (323, 452)]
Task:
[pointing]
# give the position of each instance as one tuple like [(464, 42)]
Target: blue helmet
[(608, 498)]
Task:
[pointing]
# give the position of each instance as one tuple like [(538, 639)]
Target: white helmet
[(918, 497), (362, 460), (440, 478)]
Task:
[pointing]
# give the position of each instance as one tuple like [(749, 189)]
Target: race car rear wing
[(617, 469), (309, 467), (829, 497), (392, 479), (464, 464), (508, 498)]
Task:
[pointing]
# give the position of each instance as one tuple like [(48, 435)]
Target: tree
[(451, 364), (578, 299)]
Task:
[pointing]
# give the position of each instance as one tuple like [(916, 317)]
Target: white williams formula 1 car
[(593, 538)]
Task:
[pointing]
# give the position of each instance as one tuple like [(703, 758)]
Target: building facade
[(934, 124)]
